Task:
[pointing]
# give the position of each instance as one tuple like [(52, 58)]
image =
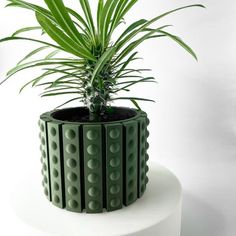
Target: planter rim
[(49, 116)]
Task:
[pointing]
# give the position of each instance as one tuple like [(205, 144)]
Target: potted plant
[(94, 156)]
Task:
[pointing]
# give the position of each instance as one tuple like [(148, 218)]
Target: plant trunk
[(94, 116)]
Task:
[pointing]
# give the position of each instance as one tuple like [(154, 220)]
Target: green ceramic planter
[(94, 166)]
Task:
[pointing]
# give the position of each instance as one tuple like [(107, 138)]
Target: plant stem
[(94, 117)]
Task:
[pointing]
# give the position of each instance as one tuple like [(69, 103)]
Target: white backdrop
[(193, 122)]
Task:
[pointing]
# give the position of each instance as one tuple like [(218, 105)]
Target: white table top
[(161, 199)]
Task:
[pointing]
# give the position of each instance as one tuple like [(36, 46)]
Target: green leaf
[(64, 88), (32, 53), (64, 72), (71, 100), (62, 39), (131, 3), (118, 15), (61, 15), (29, 39), (131, 35), (11, 5), (42, 76), (26, 29), (180, 42), (32, 65), (133, 26), (56, 94), (136, 104), (133, 98), (52, 54), (99, 13), (131, 83), (87, 12), (79, 18), (106, 15), (135, 44), (33, 7), (125, 64), (102, 61), (25, 85)]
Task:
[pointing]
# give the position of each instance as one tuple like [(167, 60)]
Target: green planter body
[(94, 166)]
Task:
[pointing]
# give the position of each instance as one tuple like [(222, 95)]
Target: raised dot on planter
[(72, 177), (53, 131), (42, 127), (72, 190), (131, 183), (71, 163), (54, 159), (115, 175), (71, 148), (93, 164), (115, 202), (93, 178), (54, 145), (44, 154), (43, 140), (131, 144), (115, 162), (114, 133), (115, 147), (92, 149), (93, 192), (143, 139), (142, 188), (44, 167), (142, 176), (45, 179), (93, 205), (46, 191), (114, 189), (143, 164), (131, 157), (56, 199), (131, 197), (143, 126), (55, 173), (92, 135), (131, 170), (56, 186), (70, 134), (73, 204)]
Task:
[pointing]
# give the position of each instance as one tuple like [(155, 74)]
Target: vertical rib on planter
[(131, 162), (72, 164), (142, 155), (56, 160), (45, 158), (114, 173), (146, 147), (92, 135)]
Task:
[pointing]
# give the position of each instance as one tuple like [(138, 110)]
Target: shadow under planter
[(94, 166)]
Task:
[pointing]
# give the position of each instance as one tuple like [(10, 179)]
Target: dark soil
[(81, 114)]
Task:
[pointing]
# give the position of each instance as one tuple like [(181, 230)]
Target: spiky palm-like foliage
[(96, 67)]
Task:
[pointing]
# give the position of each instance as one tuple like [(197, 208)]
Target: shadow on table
[(199, 219)]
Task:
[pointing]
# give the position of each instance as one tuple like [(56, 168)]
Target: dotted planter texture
[(94, 166)]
